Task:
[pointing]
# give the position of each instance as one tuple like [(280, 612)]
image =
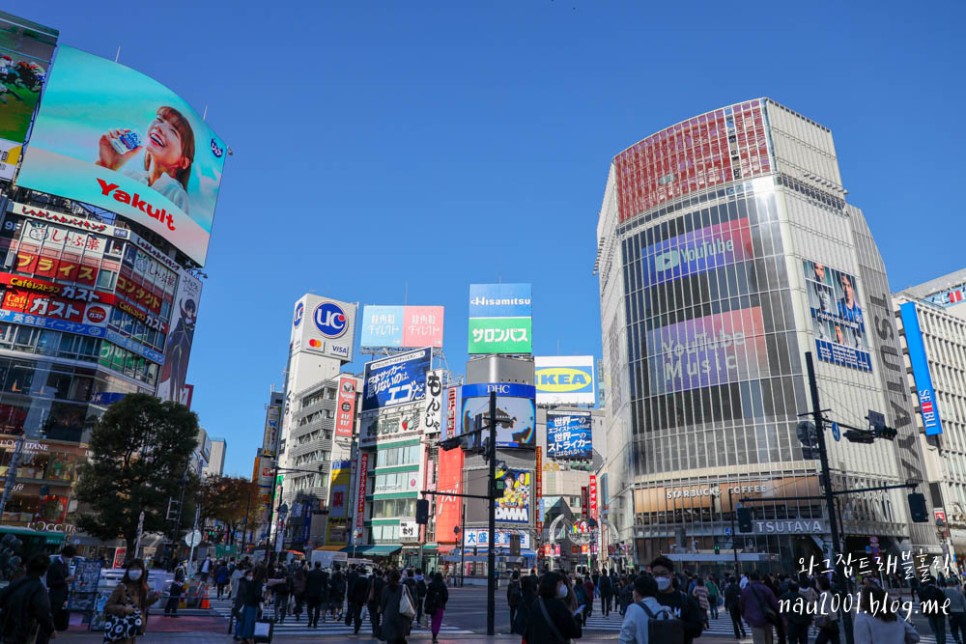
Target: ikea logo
[(562, 379)]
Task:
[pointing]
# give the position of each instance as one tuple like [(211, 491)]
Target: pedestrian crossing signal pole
[(491, 550)]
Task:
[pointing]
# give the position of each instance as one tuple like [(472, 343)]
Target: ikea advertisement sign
[(920, 370), (565, 380)]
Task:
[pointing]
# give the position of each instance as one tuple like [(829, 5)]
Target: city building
[(932, 321), (98, 297), (726, 251), (216, 463)]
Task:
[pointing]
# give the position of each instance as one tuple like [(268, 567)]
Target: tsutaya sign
[(791, 526)]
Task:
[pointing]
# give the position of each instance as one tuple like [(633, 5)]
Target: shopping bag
[(264, 630)]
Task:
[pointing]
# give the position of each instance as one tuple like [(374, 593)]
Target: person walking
[(732, 593), (826, 619), (26, 606), (606, 590), (684, 607), (58, 586), (645, 607), (877, 623), (251, 594), (336, 594), (376, 585), (358, 593), (590, 589), (205, 568), (420, 595), (956, 608), (436, 597), (222, 577), (759, 607), (528, 595), (281, 590), (314, 586), (700, 592), (713, 596), (395, 625), (551, 618), (797, 613), (130, 597), (236, 576), (174, 595), (298, 590), (514, 595), (932, 598)]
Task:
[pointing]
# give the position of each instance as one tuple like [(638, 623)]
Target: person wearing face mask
[(682, 606), (131, 597), (551, 618)]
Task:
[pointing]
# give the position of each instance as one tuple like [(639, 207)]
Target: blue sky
[(391, 147)]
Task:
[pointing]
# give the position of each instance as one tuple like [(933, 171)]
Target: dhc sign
[(565, 380)]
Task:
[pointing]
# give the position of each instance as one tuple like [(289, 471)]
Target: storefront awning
[(377, 551)]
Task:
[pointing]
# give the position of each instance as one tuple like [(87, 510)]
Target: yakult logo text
[(136, 201)]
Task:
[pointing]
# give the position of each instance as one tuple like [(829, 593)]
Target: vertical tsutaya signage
[(592, 493), (433, 404), (177, 350), (920, 370), (324, 327), (837, 318), (565, 380), (402, 326), (346, 407), (361, 494), (25, 52), (500, 319)]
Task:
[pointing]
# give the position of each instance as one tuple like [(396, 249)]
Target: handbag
[(406, 607), (118, 628), (264, 630), (61, 619), (550, 624)]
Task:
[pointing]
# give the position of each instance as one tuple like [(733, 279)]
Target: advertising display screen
[(569, 436), (837, 318), (565, 380), (515, 412), (696, 252), (448, 508), (397, 380), (920, 370), (323, 326), (514, 505), (346, 413), (499, 320), (114, 138), (25, 52), (402, 326), (177, 350), (711, 350)]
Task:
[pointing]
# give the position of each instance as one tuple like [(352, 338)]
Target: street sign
[(727, 532), (836, 432), (193, 539)]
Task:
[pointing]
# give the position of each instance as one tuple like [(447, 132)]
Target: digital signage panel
[(514, 505), (397, 380), (25, 52), (114, 138), (569, 436), (920, 370), (565, 380), (837, 318), (515, 412), (699, 251), (402, 326), (177, 349), (499, 320), (345, 414), (712, 350)]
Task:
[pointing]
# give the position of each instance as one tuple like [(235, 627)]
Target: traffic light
[(450, 443), (744, 520), (422, 511), (887, 433), (917, 508), (717, 549), (859, 436)]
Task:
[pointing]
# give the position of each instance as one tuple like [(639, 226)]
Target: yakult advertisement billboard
[(114, 138)]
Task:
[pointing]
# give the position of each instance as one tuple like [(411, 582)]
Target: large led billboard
[(569, 436), (323, 326), (25, 52), (565, 380), (397, 380), (515, 413), (920, 370), (402, 326), (711, 350), (112, 137), (696, 252), (514, 505), (177, 349), (837, 318), (499, 320)]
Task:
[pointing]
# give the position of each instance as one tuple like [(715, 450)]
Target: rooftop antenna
[(117, 56)]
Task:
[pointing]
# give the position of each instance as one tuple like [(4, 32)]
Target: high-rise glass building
[(726, 251)]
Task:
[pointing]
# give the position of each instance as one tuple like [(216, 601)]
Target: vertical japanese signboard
[(452, 411), (500, 319), (433, 403), (346, 407), (538, 488), (592, 493), (361, 495)]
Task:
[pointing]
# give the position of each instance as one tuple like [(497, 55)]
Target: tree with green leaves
[(139, 452), (229, 499)]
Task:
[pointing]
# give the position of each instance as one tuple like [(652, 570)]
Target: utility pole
[(829, 496), (734, 531), (463, 545), (491, 551)]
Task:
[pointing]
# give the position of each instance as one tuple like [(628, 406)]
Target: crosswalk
[(292, 628)]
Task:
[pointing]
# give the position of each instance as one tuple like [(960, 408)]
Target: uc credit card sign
[(565, 380), (499, 320), (699, 251)]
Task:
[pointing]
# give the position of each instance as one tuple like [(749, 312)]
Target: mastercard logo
[(315, 344)]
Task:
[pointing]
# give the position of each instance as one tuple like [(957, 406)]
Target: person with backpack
[(796, 614), (551, 616), (514, 595), (682, 606), (732, 594), (299, 578), (713, 595), (26, 614), (759, 607), (646, 621), (606, 593), (436, 597), (420, 596)]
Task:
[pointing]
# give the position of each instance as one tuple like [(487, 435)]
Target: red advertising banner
[(538, 490), (363, 482), (449, 508), (592, 491), (346, 412)]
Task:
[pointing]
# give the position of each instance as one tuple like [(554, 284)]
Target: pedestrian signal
[(917, 508), (744, 520), (422, 511)]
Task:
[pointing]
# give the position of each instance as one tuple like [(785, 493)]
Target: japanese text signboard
[(569, 436), (499, 320), (345, 407), (396, 380), (402, 326)]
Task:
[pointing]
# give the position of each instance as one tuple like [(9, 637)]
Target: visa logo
[(562, 379)]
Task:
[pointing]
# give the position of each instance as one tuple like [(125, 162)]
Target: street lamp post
[(734, 532)]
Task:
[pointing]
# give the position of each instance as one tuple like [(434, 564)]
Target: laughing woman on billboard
[(168, 154)]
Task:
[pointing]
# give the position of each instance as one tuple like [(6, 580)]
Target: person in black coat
[(376, 584), (550, 619), (395, 626), (315, 585), (436, 597), (27, 606), (58, 585), (358, 594)]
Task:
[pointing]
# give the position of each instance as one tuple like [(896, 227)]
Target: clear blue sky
[(380, 145)]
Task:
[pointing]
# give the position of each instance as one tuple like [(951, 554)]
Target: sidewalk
[(188, 628)]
